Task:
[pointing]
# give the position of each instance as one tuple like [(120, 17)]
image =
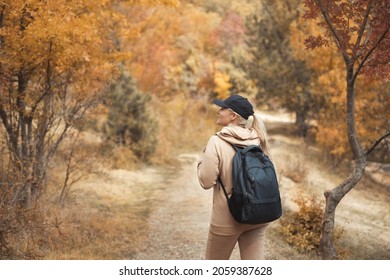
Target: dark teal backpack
[(255, 196)]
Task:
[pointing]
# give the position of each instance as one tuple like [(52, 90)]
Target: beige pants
[(250, 243)]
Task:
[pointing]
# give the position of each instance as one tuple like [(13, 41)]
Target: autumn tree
[(50, 74), (280, 76), (360, 32), (56, 57), (327, 84)]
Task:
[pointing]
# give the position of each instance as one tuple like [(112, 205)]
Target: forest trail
[(178, 227), (180, 208)]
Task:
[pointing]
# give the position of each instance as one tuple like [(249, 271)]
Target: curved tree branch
[(361, 29), (377, 141), (332, 28)]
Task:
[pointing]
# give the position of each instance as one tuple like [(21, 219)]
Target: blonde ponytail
[(254, 121), (249, 122), (258, 125)]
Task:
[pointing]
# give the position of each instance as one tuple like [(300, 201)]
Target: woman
[(242, 127)]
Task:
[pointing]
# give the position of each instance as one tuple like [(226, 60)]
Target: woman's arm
[(208, 165)]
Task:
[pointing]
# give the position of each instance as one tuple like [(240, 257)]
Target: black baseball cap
[(238, 104)]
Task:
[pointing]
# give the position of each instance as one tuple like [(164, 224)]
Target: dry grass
[(89, 222), (21, 230), (103, 217), (96, 229), (296, 169)]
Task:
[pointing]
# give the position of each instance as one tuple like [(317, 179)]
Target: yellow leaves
[(170, 56), (47, 35), (222, 84), (71, 42), (332, 83), (333, 136), (371, 114)]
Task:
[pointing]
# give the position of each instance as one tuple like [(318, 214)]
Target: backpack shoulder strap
[(236, 148), (223, 188)]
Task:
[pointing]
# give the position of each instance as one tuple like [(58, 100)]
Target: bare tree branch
[(364, 45), (362, 28), (377, 141)]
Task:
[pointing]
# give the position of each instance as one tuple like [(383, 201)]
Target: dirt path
[(178, 227)]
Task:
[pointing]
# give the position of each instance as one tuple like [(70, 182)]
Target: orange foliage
[(179, 48), (60, 33), (56, 59), (173, 41), (370, 103)]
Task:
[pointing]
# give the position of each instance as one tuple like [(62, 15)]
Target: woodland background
[(88, 86)]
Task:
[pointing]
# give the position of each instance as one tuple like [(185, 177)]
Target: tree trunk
[(333, 197), (300, 121), (39, 166)]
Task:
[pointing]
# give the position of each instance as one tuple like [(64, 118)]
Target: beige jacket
[(216, 161)]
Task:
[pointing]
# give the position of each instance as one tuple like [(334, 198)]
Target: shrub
[(302, 229), (21, 229), (129, 123)]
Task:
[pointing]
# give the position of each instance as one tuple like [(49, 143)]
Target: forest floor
[(178, 209)]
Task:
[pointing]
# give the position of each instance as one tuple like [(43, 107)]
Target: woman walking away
[(241, 127)]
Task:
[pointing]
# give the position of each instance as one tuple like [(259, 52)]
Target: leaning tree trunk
[(334, 196)]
